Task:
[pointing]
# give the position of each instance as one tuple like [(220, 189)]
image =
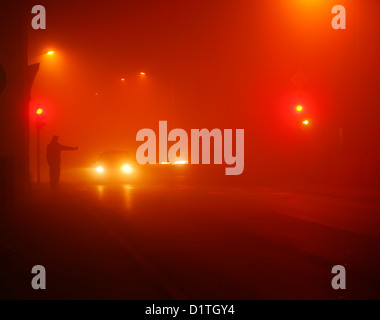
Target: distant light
[(142, 73), (39, 111), (122, 79), (181, 162), (126, 168), (299, 108), (176, 162), (306, 122), (99, 169), (50, 53)]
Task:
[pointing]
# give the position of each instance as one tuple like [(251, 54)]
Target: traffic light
[(301, 112), (40, 118)]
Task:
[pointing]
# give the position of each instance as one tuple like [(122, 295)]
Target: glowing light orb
[(99, 169), (126, 168)]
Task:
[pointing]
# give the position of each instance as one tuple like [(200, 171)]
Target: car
[(115, 166)]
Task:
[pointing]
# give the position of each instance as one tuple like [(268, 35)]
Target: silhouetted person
[(53, 155)]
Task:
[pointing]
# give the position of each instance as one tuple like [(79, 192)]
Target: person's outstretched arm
[(68, 148)]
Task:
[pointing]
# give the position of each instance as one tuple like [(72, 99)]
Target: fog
[(214, 64)]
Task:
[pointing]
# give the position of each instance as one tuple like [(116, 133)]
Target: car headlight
[(126, 169), (99, 170)]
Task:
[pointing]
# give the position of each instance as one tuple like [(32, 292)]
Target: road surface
[(129, 241)]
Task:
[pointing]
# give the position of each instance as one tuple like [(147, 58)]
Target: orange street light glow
[(39, 111), (306, 122), (122, 79), (50, 53), (299, 108), (142, 73)]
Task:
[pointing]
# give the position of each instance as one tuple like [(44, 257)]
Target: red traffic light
[(40, 119)]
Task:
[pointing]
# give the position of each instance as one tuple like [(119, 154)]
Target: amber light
[(99, 170), (126, 168)]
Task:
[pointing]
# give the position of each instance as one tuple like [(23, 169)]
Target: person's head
[(55, 139)]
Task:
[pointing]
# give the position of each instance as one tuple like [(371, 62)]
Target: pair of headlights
[(127, 169)]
